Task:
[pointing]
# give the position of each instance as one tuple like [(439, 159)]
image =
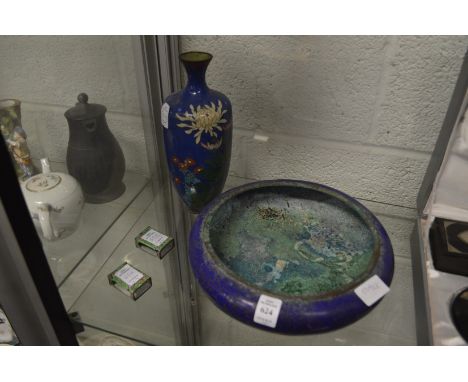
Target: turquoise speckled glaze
[(293, 245), (303, 243)]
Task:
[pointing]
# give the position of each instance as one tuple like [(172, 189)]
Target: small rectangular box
[(449, 246), (154, 242), (130, 281)]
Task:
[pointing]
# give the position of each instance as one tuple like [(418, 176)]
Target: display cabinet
[(110, 143), (440, 270), (56, 274)]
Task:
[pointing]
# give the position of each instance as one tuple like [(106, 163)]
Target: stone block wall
[(46, 73), (360, 113)]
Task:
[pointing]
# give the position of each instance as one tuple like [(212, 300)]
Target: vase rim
[(195, 56), (9, 102)]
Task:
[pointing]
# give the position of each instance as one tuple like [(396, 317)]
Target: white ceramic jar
[(55, 201)]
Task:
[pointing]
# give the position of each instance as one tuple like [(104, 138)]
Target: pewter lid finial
[(82, 98), (84, 110)]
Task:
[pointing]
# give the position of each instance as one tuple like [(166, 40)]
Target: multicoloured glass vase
[(15, 138), (197, 124)]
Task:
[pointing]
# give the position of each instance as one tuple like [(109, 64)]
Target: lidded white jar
[(55, 201)]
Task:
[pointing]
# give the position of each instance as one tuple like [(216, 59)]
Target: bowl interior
[(293, 241)]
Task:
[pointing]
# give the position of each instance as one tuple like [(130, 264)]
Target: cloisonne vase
[(197, 124)]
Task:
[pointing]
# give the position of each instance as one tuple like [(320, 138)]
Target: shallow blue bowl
[(303, 243)]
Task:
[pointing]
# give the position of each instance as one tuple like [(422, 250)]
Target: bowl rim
[(298, 315)]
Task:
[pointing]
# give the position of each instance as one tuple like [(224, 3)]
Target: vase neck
[(195, 64)]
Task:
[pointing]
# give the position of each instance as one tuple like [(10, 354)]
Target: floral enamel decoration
[(204, 120), (15, 138), (213, 146), (189, 172), (197, 127)]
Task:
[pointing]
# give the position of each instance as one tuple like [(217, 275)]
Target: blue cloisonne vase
[(197, 124)]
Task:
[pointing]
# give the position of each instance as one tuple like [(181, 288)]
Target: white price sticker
[(267, 311), (165, 115), (372, 290), (154, 237), (129, 275)]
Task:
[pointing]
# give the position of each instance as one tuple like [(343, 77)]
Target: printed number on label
[(267, 311)]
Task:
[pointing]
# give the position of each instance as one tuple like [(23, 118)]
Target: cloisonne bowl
[(304, 244)]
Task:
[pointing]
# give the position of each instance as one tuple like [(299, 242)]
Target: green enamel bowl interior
[(294, 241)]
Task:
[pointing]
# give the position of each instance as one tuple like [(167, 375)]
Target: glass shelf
[(96, 337), (148, 320), (101, 306), (64, 255), (392, 322)]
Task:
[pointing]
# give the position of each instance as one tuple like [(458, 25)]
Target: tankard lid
[(84, 110)]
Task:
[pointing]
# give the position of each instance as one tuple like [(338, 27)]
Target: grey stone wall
[(360, 113), (48, 72)]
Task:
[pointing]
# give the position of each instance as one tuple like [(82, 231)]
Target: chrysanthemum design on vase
[(197, 127), (205, 122)]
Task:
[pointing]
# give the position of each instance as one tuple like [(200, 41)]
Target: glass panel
[(138, 320), (71, 110), (96, 220), (304, 107)]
